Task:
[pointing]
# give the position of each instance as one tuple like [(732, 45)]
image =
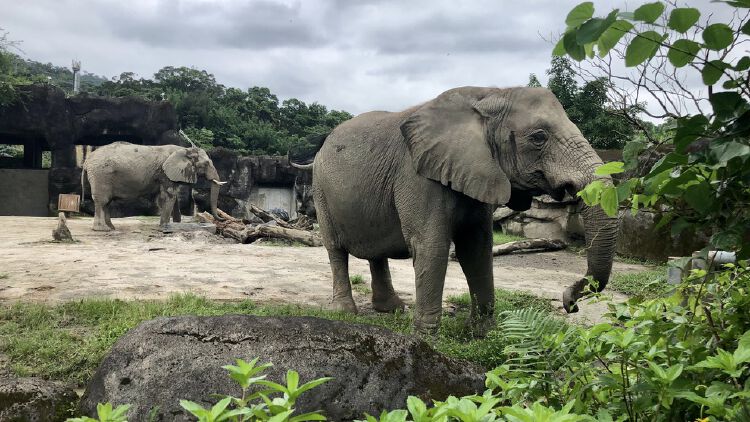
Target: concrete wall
[(270, 197), (24, 192)]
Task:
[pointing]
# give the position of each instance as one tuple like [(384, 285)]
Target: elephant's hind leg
[(384, 298), (176, 215), (342, 289), (107, 219), (100, 219)]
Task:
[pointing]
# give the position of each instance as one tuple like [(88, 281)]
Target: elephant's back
[(126, 154)]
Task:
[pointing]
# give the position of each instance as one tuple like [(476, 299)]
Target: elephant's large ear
[(180, 166), (448, 144)]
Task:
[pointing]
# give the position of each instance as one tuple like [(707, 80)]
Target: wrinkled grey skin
[(398, 185), (124, 170)]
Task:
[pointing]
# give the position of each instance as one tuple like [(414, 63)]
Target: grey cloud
[(254, 25)]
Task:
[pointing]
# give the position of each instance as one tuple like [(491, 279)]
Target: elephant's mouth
[(558, 194)]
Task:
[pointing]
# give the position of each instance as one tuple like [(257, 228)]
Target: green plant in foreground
[(356, 279), (105, 413), (277, 409)]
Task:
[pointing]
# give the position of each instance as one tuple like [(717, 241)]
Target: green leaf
[(699, 197), (742, 64), (574, 50), (682, 52), (642, 48), (746, 28), (591, 192), (718, 36), (609, 39), (608, 201), (649, 12), (613, 167), (593, 28), (312, 416), (683, 18), (559, 49), (580, 14), (729, 150), (688, 130), (727, 104), (631, 152), (712, 71), (742, 354), (191, 407)]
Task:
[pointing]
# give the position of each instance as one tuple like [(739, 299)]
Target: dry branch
[(247, 233)]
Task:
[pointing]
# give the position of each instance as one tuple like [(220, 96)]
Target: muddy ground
[(139, 262)]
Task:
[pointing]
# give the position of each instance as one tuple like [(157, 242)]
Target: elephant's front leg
[(430, 264), (167, 198), (474, 252), (342, 299)]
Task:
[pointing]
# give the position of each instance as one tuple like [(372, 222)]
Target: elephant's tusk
[(218, 182)]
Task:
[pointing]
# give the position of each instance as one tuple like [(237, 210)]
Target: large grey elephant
[(398, 185), (124, 170)]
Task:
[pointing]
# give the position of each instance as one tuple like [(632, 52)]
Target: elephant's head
[(186, 164), (503, 146)]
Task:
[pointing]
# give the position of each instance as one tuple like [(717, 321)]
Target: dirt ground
[(139, 262)]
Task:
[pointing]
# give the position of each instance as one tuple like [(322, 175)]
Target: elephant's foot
[(110, 225), (427, 326), (390, 304), (344, 305), (99, 227), (569, 302), (480, 326)]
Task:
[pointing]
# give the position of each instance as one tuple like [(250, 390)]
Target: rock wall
[(246, 173)]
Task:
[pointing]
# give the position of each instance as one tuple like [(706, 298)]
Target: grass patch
[(356, 279), (647, 284), (498, 238), (4, 276), (68, 341)]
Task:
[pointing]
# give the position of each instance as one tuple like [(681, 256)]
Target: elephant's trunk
[(213, 176), (601, 239)]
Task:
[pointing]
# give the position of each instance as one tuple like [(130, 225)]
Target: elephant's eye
[(539, 137)]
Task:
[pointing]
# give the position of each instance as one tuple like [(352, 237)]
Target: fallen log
[(267, 216), (235, 229), (253, 233), (528, 246), (524, 246)]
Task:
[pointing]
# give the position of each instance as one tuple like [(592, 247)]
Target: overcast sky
[(354, 55)]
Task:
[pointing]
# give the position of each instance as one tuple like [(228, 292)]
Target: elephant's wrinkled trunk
[(601, 238), (213, 176)]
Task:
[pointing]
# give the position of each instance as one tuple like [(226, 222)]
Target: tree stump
[(61, 233)]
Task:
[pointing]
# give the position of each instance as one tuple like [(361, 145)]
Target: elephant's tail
[(303, 156), (83, 183)]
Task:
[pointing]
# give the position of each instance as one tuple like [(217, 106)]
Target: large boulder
[(35, 400), (167, 359)]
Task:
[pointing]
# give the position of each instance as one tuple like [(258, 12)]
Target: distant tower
[(76, 76)]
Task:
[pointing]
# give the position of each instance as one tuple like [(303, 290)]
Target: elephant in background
[(406, 184), (122, 170)]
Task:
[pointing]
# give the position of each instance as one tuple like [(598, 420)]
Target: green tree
[(533, 81), (704, 182), (588, 106)]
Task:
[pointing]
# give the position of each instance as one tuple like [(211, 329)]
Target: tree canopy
[(587, 106), (251, 121)]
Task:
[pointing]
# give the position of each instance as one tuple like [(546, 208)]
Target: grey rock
[(639, 238), (502, 213), (35, 400), (167, 359)]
